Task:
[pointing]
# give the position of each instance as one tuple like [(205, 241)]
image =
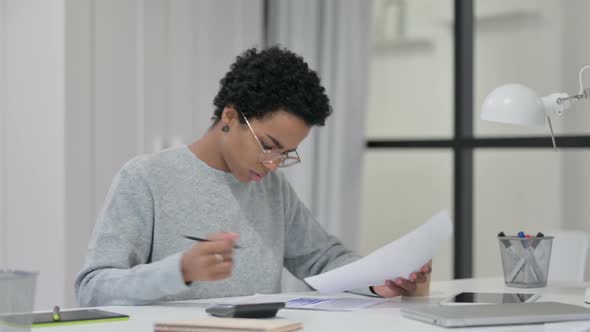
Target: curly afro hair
[(271, 80)]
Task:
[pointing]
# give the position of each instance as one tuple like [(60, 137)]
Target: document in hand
[(397, 259), (214, 324)]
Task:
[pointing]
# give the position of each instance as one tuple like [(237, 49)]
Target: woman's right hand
[(211, 260)]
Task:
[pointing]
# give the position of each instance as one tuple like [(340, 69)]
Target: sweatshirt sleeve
[(118, 270)]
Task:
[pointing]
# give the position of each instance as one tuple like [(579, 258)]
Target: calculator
[(248, 310)]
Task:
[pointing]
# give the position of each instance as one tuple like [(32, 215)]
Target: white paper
[(397, 259), (311, 302), (335, 304)]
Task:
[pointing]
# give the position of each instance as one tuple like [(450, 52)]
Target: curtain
[(334, 37)]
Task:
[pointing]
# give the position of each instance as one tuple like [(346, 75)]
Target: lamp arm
[(580, 79), (556, 103), (582, 94)]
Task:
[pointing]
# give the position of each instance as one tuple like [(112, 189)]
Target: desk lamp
[(520, 105)]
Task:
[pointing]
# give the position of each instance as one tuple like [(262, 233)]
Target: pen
[(510, 250), (536, 242), (529, 259), (194, 238), (524, 240), (56, 316), (506, 243)]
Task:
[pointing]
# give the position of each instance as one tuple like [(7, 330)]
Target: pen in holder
[(525, 261)]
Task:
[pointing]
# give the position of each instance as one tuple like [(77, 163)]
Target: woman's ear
[(228, 115)]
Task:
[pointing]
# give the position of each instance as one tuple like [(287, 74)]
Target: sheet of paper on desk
[(397, 259), (335, 304), (312, 302)]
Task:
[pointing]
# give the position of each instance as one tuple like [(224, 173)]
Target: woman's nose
[(271, 166)]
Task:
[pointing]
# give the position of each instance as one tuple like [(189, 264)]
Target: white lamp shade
[(514, 104)]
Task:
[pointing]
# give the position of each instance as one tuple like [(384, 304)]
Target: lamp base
[(587, 296)]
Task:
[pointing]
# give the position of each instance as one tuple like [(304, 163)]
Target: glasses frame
[(267, 157)]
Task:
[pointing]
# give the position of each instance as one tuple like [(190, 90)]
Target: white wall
[(2, 131), (33, 131), (88, 85), (79, 135)]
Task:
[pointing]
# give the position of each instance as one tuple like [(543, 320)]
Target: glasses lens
[(271, 157), (289, 162), (278, 159)]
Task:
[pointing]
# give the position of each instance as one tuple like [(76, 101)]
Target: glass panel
[(576, 192), (411, 71), (576, 189), (537, 44), (401, 189), (515, 190)]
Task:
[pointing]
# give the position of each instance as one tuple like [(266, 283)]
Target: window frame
[(463, 143)]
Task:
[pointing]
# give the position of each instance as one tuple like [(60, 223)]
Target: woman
[(223, 185)]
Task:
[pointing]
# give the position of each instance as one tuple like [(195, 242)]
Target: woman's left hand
[(418, 285)]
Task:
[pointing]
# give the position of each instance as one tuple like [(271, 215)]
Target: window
[(433, 64)]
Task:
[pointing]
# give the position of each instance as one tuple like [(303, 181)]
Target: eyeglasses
[(268, 157)]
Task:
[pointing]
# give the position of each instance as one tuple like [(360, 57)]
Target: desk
[(384, 317)]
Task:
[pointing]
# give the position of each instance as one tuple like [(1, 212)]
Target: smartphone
[(489, 298)]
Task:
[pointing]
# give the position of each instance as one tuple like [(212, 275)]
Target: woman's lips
[(255, 176)]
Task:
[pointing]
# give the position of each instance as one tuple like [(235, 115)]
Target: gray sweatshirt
[(134, 256)]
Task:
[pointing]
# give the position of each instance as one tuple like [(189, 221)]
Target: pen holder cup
[(17, 289), (525, 261)]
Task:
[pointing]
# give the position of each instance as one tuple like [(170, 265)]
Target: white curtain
[(333, 36)]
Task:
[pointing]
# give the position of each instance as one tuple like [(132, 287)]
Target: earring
[(225, 128)]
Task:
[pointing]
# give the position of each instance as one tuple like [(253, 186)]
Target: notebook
[(215, 324), (497, 314)]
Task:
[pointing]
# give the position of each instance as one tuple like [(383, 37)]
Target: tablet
[(489, 298), (78, 315), (69, 317)]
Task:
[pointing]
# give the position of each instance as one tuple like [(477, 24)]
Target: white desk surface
[(384, 317)]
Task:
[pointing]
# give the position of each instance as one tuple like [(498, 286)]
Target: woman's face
[(277, 132)]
